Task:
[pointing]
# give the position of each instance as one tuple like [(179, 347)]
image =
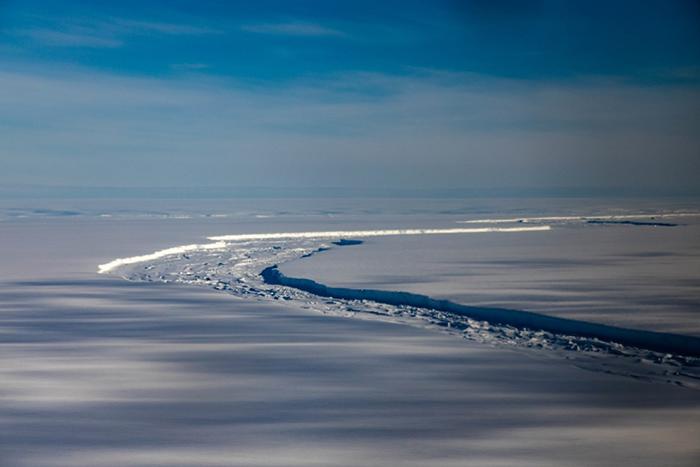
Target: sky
[(494, 97)]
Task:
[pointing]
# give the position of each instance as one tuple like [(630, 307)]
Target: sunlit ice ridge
[(219, 241), (372, 233)]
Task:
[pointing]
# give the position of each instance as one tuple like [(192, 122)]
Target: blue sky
[(524, 94)]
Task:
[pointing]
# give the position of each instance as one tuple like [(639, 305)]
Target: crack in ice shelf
[(234, 263)]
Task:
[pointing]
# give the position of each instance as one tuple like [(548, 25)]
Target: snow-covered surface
[(95, 370), (631, 276), (234, 264), (103, 372), (637, 216)]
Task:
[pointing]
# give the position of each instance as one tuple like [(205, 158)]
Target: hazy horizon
[(543, 96)]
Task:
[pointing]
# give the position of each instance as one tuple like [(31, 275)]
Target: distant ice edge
[(656, 341)]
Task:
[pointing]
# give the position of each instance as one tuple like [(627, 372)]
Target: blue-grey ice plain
[(390, 332)]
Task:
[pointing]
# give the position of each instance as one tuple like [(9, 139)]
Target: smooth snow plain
[(100, 371)]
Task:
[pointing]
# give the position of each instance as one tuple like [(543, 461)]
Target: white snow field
[(197, 361)]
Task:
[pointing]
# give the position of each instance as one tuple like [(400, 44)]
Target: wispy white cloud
[(104, 33), (359, 129), (292, 29), (189, 66), (162, 28), (74, 38)]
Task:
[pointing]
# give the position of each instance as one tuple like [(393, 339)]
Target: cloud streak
[(293, 29), (426, 130), (71, 39), (132, 26), (104, 32)]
